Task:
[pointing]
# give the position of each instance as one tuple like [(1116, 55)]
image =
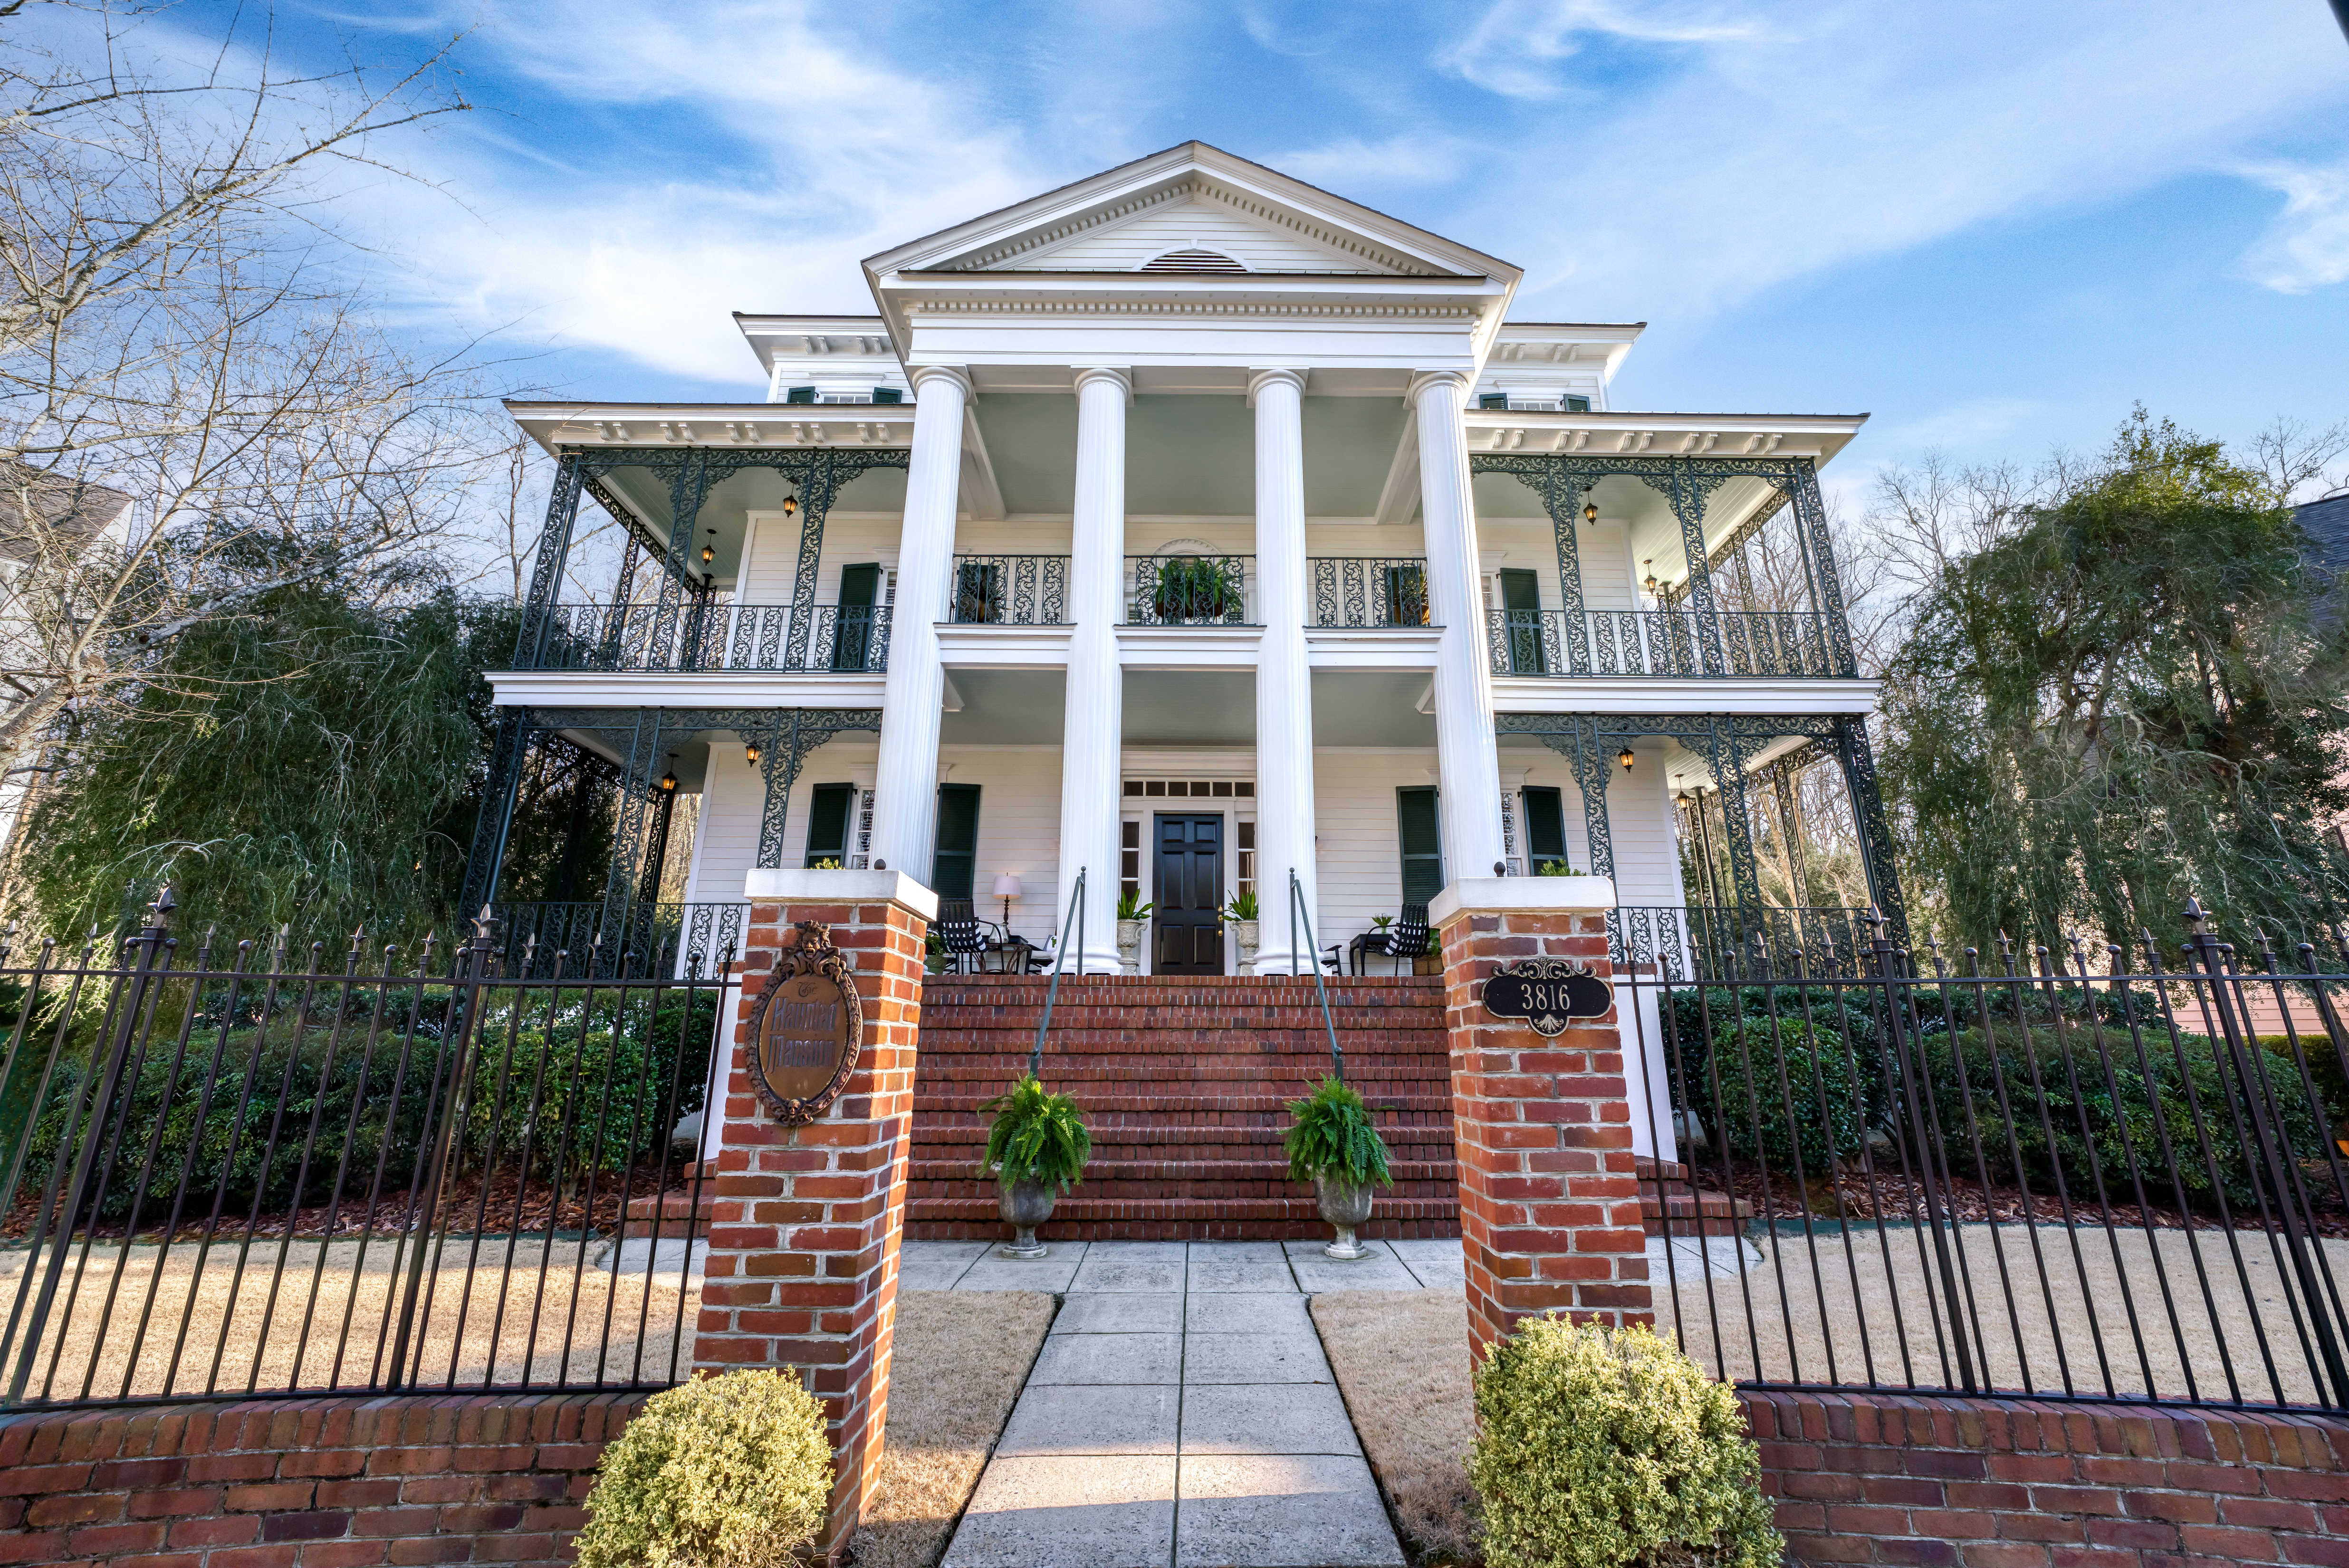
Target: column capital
[(1088, 374), (1274, 375), (1420, 380), (920, 373)]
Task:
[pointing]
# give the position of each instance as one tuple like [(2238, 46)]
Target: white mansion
[(1191, 528)]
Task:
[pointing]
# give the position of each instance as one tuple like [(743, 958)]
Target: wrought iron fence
[(1698, 941), (1187, 590), (2065, 1175), (1362, 590), (842, 638), (1679, 642), (250, 1169), (1010, 591)]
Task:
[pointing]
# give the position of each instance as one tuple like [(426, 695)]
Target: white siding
[(1184, 225), (1019, 831), (1357, 840), (733, 794)]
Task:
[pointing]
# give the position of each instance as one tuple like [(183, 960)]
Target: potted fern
[(1131, 913), (1241, 913), (1333, 1144), (1037, 1149)]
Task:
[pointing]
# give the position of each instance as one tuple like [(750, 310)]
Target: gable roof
[(1354, 238)]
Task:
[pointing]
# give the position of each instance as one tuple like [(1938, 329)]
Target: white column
[(1467, 763), (1284, 689), (1092, 725), (906, 782)]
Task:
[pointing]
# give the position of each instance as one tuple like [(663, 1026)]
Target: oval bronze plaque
[(806, 1028), (1547, 992)]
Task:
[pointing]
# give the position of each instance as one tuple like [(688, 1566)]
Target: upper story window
[(878, 395), (1193, 260), (1506, 400)]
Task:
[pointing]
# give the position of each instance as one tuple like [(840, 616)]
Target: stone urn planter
[(1026, 1205), (1244, 935), (1128, 946), (1344, 1206)]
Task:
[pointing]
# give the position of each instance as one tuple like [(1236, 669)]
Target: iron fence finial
[(163, 905), (2197, 917)]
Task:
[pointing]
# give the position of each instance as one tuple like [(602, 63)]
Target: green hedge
[(625, 1066), (1765, 1067)]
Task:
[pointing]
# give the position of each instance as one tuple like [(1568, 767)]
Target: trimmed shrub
[(1766, 1066), (2096, 1124), (720, 1472), (1600, 1448)]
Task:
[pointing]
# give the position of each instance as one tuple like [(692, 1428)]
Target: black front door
[(1188, 923)]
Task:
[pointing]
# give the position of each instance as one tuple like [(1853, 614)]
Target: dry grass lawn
[(1402, 1361), (957, 1364)]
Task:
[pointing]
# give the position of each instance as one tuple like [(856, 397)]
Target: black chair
[(1406, 938), (958, 929)]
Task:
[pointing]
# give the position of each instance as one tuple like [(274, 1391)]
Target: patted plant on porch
[(1600, 1448), (1192, 588)]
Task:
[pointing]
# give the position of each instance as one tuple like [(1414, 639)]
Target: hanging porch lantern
[(750, 753), (1626, 759), (669, 779)]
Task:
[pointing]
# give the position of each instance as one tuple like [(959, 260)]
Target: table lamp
[(1007, 888)]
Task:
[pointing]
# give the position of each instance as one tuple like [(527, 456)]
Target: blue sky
[(1992, 225)]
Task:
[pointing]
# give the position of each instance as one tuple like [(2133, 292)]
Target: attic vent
[(1194, 261)]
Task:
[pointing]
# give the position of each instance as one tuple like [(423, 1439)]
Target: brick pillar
[(1549, 1203), (805, 1221)]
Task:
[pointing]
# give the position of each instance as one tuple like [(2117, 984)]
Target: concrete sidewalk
[(1182, 1414)]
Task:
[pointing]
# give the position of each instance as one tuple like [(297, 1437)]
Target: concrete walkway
[(1182, 1414)]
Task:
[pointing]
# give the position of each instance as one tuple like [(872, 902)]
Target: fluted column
[(906, 780), (1092, 726), (1284, 684), (1467, 764)]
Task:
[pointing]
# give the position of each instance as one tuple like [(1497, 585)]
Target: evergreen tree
[(2127, 700)]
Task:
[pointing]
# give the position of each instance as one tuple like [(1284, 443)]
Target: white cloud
[(1351, 164), (1511, 50), (1966, 427), (2307, 245)]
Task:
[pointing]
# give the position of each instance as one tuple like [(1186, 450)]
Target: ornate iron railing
[(1187, 590), (847, 639), (1680, 642), (1367, 591), (1009, 590), (582, 936), (1701, 942)]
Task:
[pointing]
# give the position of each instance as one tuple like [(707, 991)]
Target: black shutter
[(1423, 845), (887, 395), (952, 868), (1544, 826), (1578, 404), (1492, 400), (800, 395), (851, 644), (1521, 602), (828, 808)]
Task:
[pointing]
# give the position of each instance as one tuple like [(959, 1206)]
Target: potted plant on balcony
[(1036, 1148), (1241, 913), (1194, 588), (1333, 1145), (1130, 913)]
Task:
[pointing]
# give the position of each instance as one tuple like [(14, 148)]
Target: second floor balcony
[(1679, 642), (653, 635)]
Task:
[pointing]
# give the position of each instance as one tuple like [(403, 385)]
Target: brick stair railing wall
[(1183, 1082), (1859, 1479)]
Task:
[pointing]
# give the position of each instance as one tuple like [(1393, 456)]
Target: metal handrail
[(1298, 910), (1076, 917)]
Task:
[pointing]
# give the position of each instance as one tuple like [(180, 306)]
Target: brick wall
[(1980, 1483), (335, 1483)]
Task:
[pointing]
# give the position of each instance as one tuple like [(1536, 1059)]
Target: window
[(1406, 603), (1544, 826), (887, 395), (979, 593), (828, 809), (1521, 603), (800, 395), (1247, 870), (1194, 260), (953, 865), (1423, 845), (1129, 857)]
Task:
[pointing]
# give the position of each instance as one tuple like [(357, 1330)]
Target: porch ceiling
[(1004, 708)]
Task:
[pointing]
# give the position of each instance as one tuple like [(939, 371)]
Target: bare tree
[(2300, 460), (182, 346)]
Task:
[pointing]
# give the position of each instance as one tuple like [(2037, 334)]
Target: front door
[(1187, 927)]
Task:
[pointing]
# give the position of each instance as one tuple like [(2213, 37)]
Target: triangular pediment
[(1191, 198)]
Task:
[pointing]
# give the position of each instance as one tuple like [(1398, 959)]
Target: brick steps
[(1669, 1206), (1185, 1083)]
